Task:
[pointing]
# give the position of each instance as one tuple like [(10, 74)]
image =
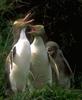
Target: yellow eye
[(15, 22)]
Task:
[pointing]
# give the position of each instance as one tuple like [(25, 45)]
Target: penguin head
[(37, 30), (52, 48), (23, 22), (19, 24)]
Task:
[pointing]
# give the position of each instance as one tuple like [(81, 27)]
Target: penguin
[(65, 72), (19, 59), (40, 67)]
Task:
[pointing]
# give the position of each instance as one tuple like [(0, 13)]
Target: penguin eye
[(49, 50), (15, 22), (28, 29)]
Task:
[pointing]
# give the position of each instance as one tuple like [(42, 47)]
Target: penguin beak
[(24, 21), (32, 29), (29, 21)]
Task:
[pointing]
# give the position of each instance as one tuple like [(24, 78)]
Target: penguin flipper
[(6, 76), (8, 68), (67, 66), (54, 65), (12, 56)]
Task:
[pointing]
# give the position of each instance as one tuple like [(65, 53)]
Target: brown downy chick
[(65, 72)]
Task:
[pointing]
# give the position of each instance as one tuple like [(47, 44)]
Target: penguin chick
[(39, 59), (19, 59), (65, 72)]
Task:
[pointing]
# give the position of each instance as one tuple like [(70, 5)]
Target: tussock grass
[(49, 93)]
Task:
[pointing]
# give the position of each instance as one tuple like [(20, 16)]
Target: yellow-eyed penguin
[(65, 72), (19, 58), (40, 67)]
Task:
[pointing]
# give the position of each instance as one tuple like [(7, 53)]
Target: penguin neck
[(37, 40), (22, 34)]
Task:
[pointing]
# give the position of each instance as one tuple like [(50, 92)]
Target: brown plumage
[(65, 72)]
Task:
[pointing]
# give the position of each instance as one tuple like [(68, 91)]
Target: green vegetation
[(49, 93), (9, 10), (5, 45)]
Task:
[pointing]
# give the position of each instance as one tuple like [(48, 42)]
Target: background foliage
[(62, 20)]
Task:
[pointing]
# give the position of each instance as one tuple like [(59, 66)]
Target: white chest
[(21, 64), (40, 65)]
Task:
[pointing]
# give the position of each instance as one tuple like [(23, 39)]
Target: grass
[(49, 93), (5, 45)]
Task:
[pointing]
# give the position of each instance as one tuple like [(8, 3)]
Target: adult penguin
[(40, 67), (19, 59)]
